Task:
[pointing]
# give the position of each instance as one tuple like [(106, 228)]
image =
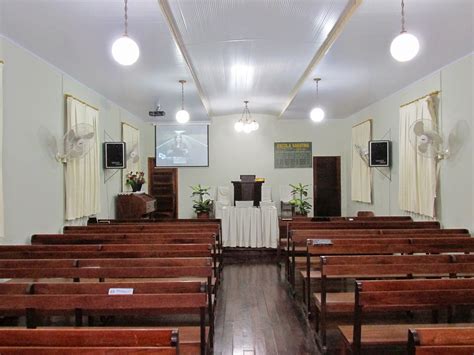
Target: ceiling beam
[(330, 39), (167, 12)]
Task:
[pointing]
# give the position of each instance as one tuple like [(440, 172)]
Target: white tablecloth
[(250, 227)]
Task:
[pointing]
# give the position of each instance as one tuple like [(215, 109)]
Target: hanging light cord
[(182, 95), (126, 18), (403, 16)]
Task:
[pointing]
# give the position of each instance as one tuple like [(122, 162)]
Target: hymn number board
[(293, 155)]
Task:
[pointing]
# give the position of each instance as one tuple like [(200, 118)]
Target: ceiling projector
[(157, 112)]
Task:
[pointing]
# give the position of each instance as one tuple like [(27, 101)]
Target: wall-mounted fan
[(426, 140), (363, 152), (76, 143), (133, 155)]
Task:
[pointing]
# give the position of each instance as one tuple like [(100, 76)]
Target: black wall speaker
[(380, 153), (114, 155)]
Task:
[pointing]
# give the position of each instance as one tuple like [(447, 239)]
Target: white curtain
[(82, 174), (2, 217), (361, 176), (418, 178), (131, 137)]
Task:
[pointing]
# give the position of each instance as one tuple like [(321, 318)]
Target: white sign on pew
[(120, 291)]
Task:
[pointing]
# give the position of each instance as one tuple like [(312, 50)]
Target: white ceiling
[(359, 70), (256, 50), (76, 36), (270, 42)]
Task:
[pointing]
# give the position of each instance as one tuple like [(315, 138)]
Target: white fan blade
[(89, 135), (418, 128), (423, 147), (434, 137)]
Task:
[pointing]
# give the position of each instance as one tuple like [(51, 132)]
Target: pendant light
[(405, 46), (182, 116), (125, 50), (246, 124), (317, 113)]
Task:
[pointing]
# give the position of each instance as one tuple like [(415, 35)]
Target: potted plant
[(300, 199), (202, 205), (135, 180)]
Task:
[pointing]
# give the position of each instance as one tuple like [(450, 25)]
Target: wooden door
[(327, 186), (163, 185)]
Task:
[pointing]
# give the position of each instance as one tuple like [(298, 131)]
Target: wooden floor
[(256, 315)]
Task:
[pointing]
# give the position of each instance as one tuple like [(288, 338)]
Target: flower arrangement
[(201, 206), (135, 180), (300, 199)]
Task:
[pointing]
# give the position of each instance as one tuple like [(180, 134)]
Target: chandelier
[(246, 124)]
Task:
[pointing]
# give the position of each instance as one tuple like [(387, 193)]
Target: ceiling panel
[(255, 50), (359, 70), (76, 36)]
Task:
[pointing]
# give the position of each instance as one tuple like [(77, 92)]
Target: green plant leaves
[(201, 205), (300, 198)]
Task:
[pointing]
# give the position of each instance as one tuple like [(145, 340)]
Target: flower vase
[(136, 187)]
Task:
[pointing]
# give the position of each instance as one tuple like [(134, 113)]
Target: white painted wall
[(233, 154), (34, 105), (34, 185), (455, 204)]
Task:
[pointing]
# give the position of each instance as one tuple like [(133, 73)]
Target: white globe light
[(182, 116), (254, 125), (239, 126), (317, 114), (247, 128), (125, 51), (404, 47)]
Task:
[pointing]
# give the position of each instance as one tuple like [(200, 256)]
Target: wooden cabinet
[(135, 205), (163, 186)]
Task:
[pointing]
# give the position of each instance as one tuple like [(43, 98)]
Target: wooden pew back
[(138, 238), (407, 295), (88, 340), (441, 340), (387, 267)]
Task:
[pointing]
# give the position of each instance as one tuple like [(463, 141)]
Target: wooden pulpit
[(248, 191)]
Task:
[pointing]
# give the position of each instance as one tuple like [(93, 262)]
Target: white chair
[(285, 193), (266, 204), (222, 200), (243, 204), (267, 197), (266, 193), (285, 197)]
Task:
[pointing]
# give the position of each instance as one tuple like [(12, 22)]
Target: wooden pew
[(134, 238), (147, 238), (365, 225), (158, 221), (104, 251), (299, 242), (92, 341), (108, 304), (441, 340), (107, 269), (351, 225), (114, 228), (379, 267), (151, 228), (359, 248), (400, 296)]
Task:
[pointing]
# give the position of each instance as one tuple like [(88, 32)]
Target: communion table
[(254, 227)]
